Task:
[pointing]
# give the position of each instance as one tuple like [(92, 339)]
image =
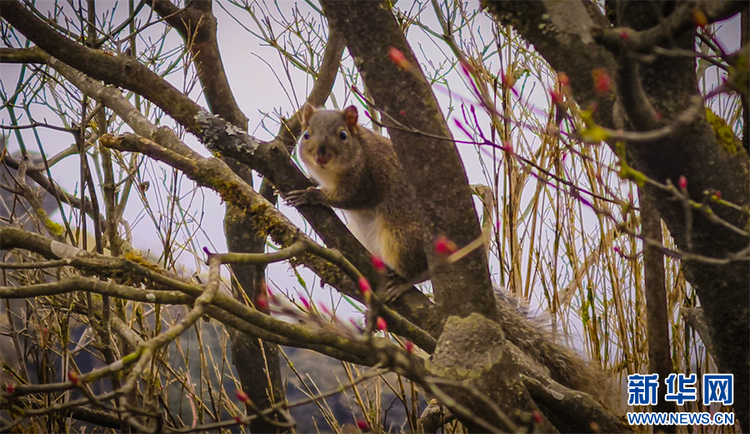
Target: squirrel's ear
[(307, 112), (351, 116)]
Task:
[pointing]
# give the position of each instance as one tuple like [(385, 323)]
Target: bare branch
[(679, 21), (432, 167)]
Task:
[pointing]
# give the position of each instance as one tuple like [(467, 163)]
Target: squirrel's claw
[(308, 196), (295, 197)]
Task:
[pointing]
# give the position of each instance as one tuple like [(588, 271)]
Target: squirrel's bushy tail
[(535, 340)]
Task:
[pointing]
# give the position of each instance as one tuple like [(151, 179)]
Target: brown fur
[(360, 174), (534, 339)]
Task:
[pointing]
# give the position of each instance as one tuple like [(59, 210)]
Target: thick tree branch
[(170, 290), (22, 55), (237, 316), (561, 33), (473, 354), (197, 26), (255, 363), (431, 166), (120, 70), (678, 22), (268, 158), (215, 174), (414, 305), (574, 411)]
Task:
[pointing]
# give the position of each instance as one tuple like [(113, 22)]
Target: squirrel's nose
[(321, 160), (322, 157)]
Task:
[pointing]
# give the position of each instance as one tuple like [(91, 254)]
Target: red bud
[(537, 416), (261, 302), (602, 80), (381, 324), (73, 377), (444, 246), (409, 346), (397, 57), (364, 285), (378, 263), (556, 97), (242, 396), (363, 425), (504, 80), (682, 182)]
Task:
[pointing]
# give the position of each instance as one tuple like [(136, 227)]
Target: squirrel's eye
[(306, 135), (343, 135)]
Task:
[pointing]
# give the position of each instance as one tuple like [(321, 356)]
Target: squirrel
[(358, 171)]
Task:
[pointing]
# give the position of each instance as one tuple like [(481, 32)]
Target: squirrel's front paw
[(309, 196)]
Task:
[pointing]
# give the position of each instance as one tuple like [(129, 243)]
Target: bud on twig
[(444, 246), (382, 326), (682, 182), (409, 346), (397, 57), (242, 396), (378, 264)]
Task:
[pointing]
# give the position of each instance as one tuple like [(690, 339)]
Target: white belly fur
[(368, 227)]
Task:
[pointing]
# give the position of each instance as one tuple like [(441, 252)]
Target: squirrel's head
[(330, 141)]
